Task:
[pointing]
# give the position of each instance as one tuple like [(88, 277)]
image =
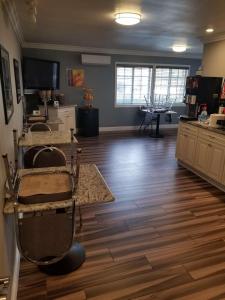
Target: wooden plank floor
[(163, 238)]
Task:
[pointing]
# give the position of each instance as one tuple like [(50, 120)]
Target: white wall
[(213, 62), (7, 240)]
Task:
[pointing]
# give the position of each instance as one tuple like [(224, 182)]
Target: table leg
[(142, 122), (156, 134)]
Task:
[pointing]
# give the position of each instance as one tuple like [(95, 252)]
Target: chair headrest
[(49, 157), (40, 127)]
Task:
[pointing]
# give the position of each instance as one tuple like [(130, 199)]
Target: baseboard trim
[(15, 277), (133, 128)]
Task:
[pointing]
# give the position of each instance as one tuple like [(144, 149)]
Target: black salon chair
[(46, 237), (49, 157), (53, 157), (32, 151), (29, 155), (39, 127)]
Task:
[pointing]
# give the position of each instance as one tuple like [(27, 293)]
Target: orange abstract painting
[(75, 77)]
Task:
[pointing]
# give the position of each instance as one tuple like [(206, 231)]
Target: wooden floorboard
[(163, 237)]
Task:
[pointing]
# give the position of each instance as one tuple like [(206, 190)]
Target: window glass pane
[(145, 72), (120, 71), (128, 72), (128, 89), (142, 79), (128, 81), (137, 71)]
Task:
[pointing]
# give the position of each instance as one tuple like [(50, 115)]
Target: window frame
[(154, 66)]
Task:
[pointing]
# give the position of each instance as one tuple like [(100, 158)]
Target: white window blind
[(169, 84), (133, 85), (161, 84)]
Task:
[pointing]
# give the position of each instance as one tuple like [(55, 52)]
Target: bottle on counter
[(204, 114), (222, 107)]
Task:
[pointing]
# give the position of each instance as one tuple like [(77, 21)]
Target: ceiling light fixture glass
[(127, 18), (209, 30), (32, 9), (179, 48)]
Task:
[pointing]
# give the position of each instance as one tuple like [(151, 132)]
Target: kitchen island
[(201, 149)]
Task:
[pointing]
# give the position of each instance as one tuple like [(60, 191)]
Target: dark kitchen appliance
[(202, 91)]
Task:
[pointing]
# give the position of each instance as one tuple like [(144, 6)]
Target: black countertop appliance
[(202, 91)]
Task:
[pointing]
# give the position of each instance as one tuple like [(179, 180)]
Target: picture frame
[(17, 80), (5, 78)]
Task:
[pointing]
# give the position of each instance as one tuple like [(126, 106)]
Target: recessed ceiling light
[(127, 18), (209, 30), (179, 48)]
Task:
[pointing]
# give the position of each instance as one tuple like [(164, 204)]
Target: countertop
[(46, 138), (60, 106), (205, 126), (92, 189)]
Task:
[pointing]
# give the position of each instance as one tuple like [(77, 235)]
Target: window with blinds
[(133, 84), (169, 85), (158, 84)]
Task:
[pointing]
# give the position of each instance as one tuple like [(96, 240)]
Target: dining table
[(158, 112)]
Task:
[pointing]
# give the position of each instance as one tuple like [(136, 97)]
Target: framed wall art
[(6, 84), (75, 77), (17, 80)]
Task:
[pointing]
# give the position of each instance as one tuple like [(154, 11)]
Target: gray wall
[(102, 80), (213, 62), (7, 235)]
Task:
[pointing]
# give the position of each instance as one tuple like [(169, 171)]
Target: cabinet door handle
[(4, 283), (211, 137), (185, 135)]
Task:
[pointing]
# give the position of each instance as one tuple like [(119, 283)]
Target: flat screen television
[(40, 74)]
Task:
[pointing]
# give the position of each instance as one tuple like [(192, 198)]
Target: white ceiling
[(89, 23)]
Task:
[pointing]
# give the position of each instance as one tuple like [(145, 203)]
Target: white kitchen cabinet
[(202, 151), (186, 145), (180, 146), (209, 158), (215, 161), (190, 144), (67, 115), (201, 156)]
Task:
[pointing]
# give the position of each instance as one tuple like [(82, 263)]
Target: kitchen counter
[(205, 126), (60, 106), (201, 149), (40, 138)]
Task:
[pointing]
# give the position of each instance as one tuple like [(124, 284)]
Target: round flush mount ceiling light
[(179, 48), (127, 18), (209, 30)]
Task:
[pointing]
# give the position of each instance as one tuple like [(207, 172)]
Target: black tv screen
[(40, 74)]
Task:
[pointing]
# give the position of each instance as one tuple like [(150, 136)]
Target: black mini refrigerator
[(201, 91), (88, 121)]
